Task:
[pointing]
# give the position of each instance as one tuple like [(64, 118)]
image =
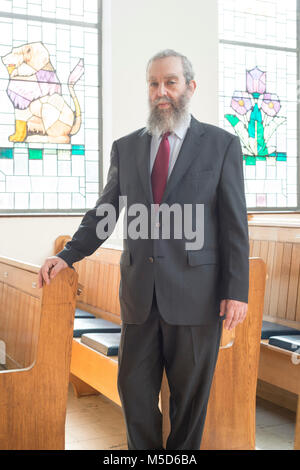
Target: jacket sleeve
[(233, 226), (85, 240)]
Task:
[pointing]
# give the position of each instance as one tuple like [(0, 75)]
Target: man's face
[(166, 83)]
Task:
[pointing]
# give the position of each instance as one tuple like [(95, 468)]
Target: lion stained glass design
[(41, 113)]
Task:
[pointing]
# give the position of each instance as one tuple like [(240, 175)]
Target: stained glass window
[(259, 59), (49, 94)]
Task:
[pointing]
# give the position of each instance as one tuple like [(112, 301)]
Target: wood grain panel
[(19, 325), (284, 280), (294, 288), (279, 247)]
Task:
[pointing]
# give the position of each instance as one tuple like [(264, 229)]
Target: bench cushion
[(83, 314), (274, 329), (106, 343), (290, 342), (94, 325)]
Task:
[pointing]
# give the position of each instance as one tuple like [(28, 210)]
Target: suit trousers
[(189, 355)]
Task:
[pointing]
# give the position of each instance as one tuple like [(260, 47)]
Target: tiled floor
[(95, 423), (274, 426)]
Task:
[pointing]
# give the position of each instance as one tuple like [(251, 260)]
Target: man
[(173, 295)]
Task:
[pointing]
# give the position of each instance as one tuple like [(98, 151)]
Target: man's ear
[(192, 86)]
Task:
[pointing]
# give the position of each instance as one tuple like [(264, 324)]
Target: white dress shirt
[(175, 139)]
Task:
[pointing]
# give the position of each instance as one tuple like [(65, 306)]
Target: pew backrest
[(279, 247), (99, 274), (36, 327)]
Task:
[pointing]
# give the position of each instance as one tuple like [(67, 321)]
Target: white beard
[(167, 120)]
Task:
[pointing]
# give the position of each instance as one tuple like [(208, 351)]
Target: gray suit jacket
[(189, 284)]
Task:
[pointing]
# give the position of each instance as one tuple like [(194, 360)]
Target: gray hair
[(187, 67)]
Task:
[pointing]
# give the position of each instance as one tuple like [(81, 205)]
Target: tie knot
[(166, 135)]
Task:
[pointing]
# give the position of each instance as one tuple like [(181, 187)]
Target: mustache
[(166, 99)]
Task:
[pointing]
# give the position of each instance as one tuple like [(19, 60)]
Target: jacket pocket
[(198, 257), (200, 176), (125, 259)]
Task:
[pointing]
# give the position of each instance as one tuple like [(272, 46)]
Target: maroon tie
[(160, 169)]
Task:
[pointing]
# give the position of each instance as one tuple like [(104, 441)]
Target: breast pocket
[(199, 177), (198, 186)]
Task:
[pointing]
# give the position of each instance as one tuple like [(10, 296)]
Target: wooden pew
[(278, 244), (230, 422), (36, 327)]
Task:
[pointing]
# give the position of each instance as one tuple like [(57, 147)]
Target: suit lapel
[(143, 162), (188, 152)]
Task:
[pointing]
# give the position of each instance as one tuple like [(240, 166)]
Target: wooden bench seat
[(36, 328), (230, 422)]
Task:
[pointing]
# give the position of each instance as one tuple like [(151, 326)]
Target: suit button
[(151, 259)]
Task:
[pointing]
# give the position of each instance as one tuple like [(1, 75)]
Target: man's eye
[(153, 84), (171, 82)]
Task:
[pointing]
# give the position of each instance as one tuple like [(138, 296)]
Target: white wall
[(139, 30), (133, 30)]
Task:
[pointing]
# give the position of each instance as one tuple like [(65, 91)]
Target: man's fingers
[(243, 313), (222, 308), (228, 320), (242, 316), (235, 321), (50, 269), (45, 272), (235, 312), (40, 279), (55, 270), (232, 316)]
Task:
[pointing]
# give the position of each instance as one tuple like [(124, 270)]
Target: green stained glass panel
[(35, 154)]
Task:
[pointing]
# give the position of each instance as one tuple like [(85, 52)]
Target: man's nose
[(161, 91)]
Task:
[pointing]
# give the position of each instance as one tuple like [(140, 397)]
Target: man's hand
[(54, 262), (235, 312)]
